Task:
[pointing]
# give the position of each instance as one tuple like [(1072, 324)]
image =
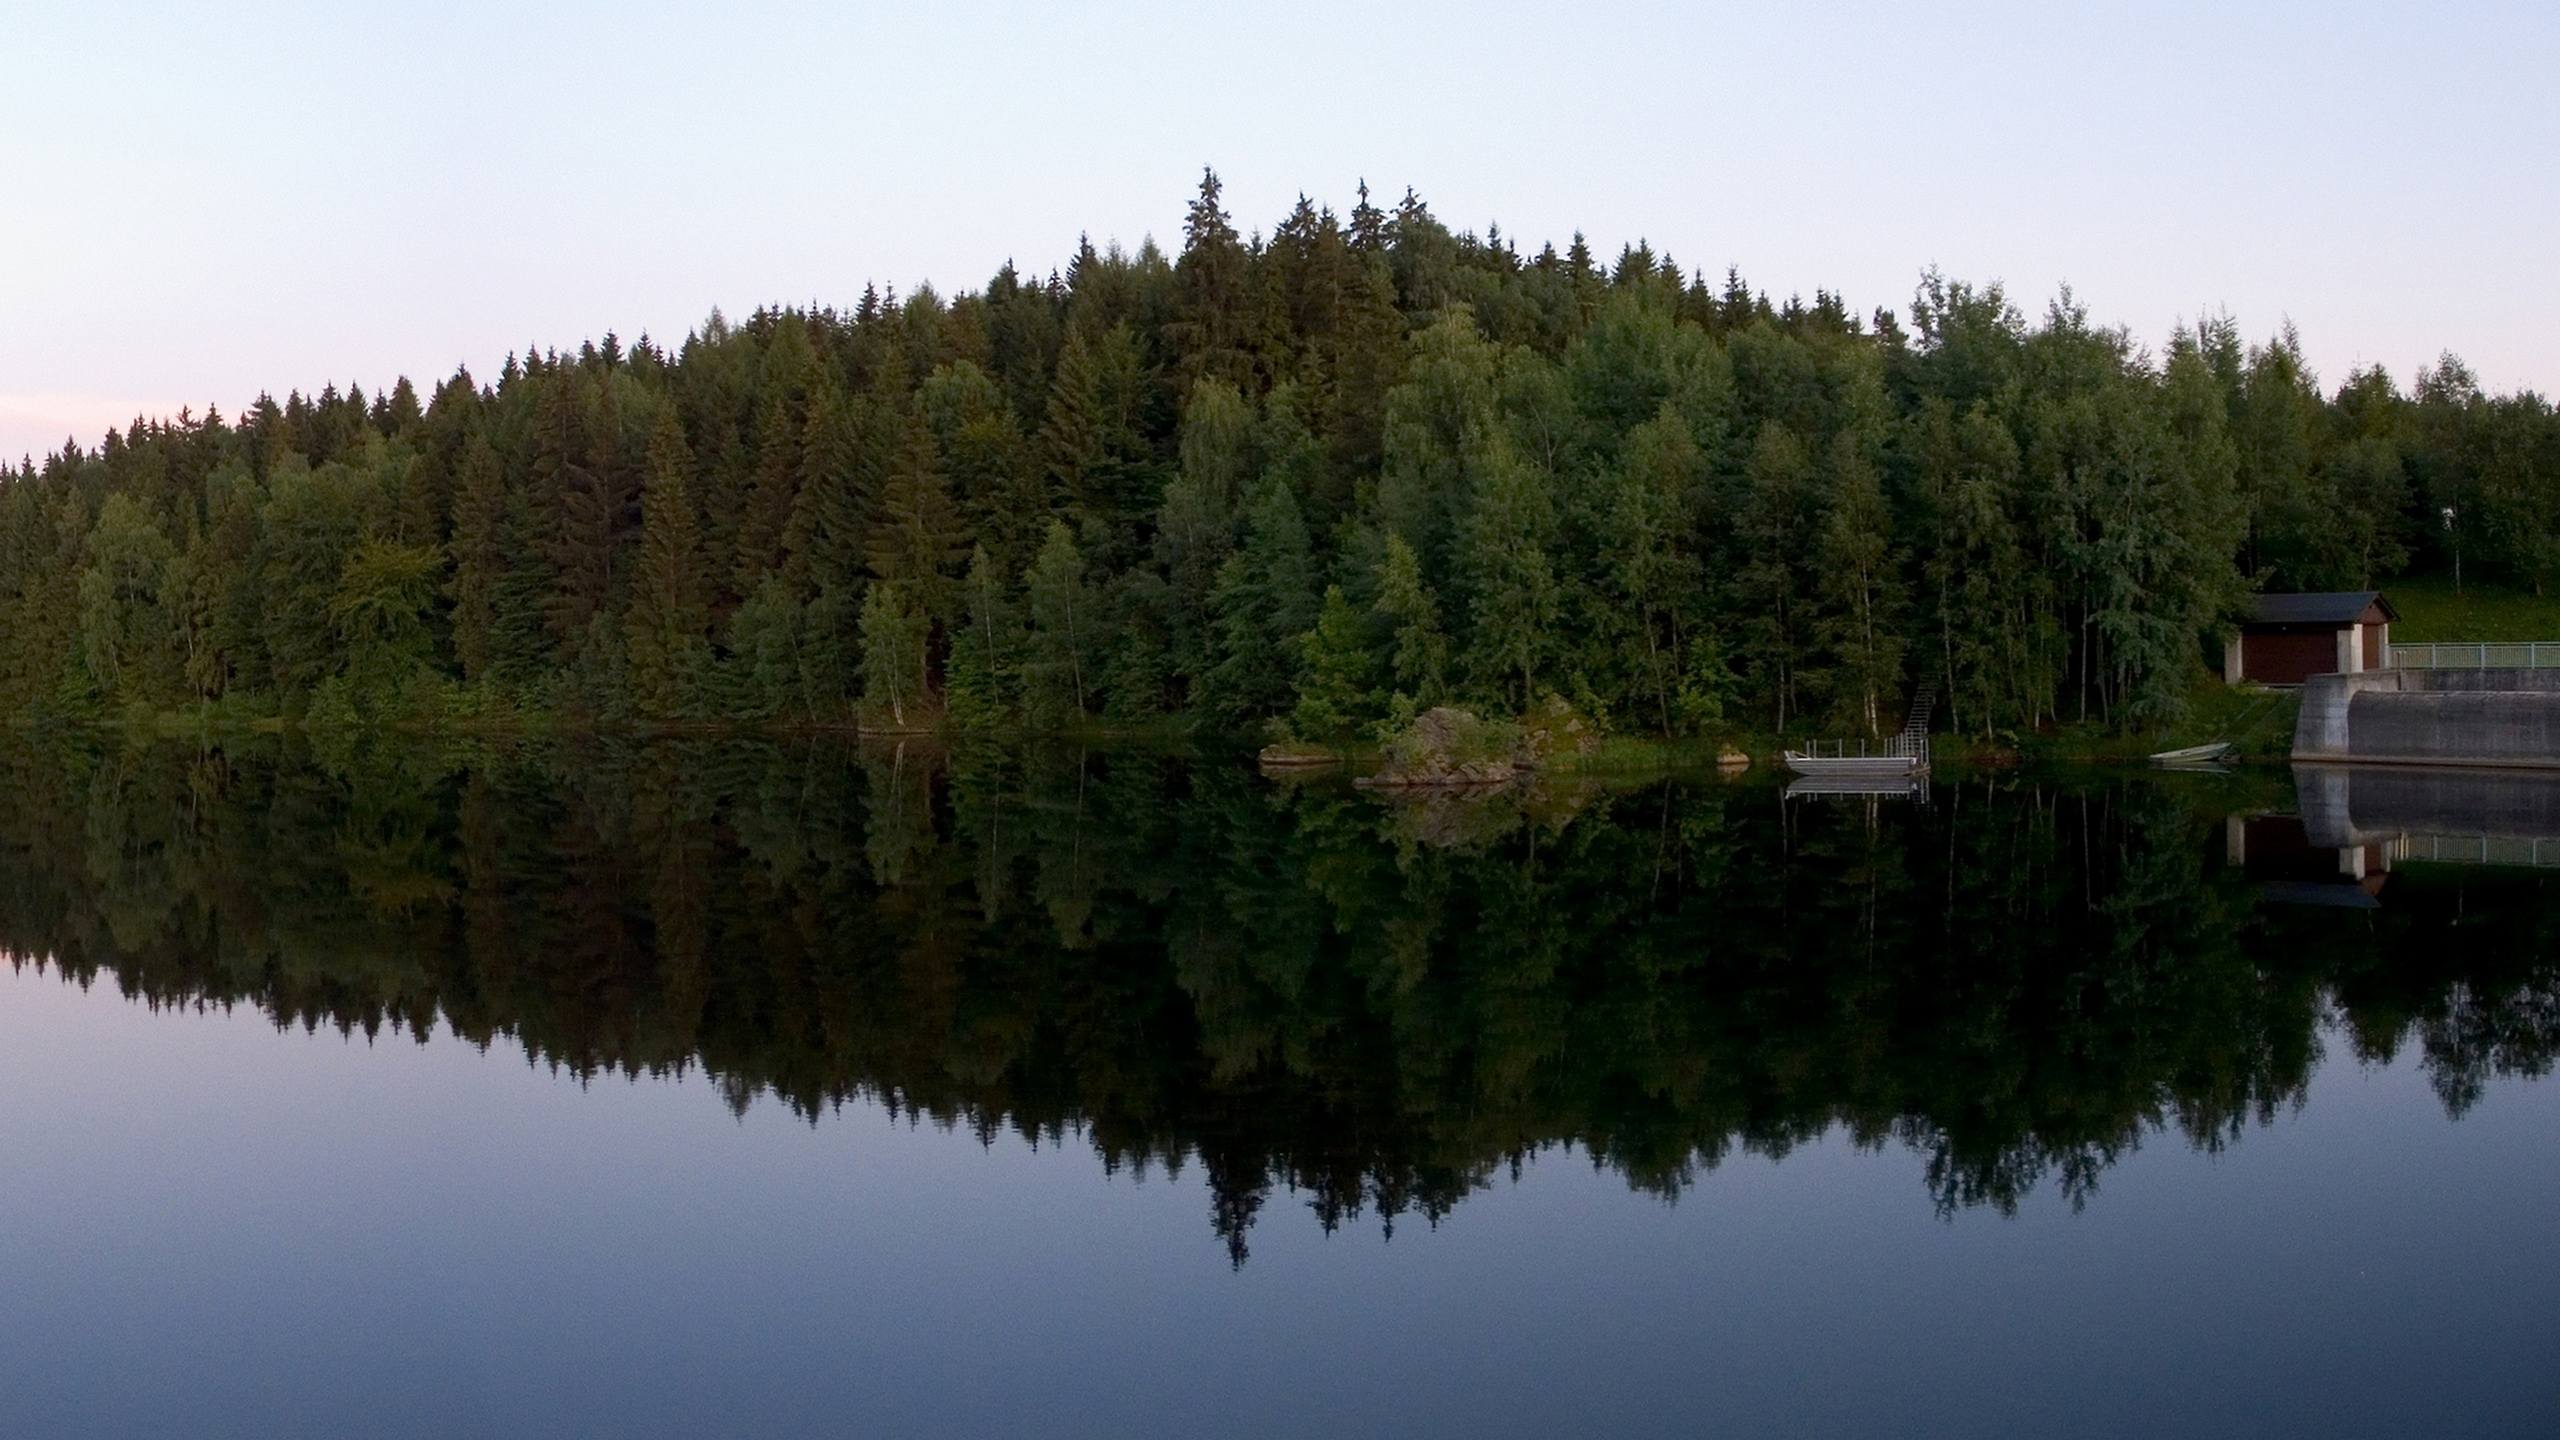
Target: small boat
[(2193, 755)]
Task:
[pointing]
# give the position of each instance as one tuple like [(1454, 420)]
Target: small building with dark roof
[(2287, 639)]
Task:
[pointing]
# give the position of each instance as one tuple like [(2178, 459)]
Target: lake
[(721, 1089)]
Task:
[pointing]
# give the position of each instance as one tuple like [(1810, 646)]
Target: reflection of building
[(2357, 824), (2279, 852), (2287, 639)]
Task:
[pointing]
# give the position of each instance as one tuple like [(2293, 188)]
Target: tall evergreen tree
[(1264, 601), (1859, 588), (916, 535), (1419, 658), (893, 639), (667, 627), (1775, 528), (1058, 652)]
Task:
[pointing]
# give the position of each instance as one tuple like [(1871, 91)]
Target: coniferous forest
[(1324, 476)]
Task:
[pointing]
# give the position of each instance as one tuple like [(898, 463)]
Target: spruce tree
[(893, 639), (764, 519), (667, 626), (1058, 651), (979, 689), (1773, 526), (1512, 595), (1208, 331), (1263, 602), (1337, 670), (126, 627), (1858, 622), (1418, 660), (916, 536), (480, 559)]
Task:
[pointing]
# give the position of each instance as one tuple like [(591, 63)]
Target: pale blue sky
[(202, 202)]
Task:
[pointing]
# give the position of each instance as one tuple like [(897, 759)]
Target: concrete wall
[(2432, 717)]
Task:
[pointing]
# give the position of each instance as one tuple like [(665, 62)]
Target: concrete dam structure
[(2478, 718)]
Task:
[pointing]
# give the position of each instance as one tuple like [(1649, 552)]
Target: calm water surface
[(734, 1090)]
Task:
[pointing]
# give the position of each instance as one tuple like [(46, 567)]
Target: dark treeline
[(1328, 475), (1378, 1008)]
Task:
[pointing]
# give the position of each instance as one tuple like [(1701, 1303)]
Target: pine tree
[(125, 625), (666, 630), (765, 517), (979, 687), (1195, 529), (916, 536), (893, 640), (1000, 492), (1058, 652), (1071, 427), (821, 543), (1264, 600), (762, 677), (383, 612), (1419, 658), (1337, 689), (1859, 589), (309, 525), (1647, 536), (1208, 331), (584, 494), (1512, 595), (1773, 529), (480, 559)]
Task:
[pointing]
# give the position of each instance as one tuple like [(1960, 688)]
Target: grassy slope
[(2431, 611)]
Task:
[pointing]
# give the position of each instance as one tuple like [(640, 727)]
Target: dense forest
[(1365, 1009), (1321, 477)]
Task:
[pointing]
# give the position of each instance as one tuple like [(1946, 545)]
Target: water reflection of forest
[(1376, 1008)]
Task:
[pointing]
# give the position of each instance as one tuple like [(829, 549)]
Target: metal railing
[(2480, 850), (2492, 655), (1899, 747)]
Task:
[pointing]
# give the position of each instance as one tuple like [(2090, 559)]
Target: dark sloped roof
[(2332, 607)]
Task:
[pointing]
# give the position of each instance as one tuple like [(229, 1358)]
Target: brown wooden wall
[(2287, 657)]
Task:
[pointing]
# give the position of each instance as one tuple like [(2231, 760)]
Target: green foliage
[(985, 650), (1337, 692), (1265, 600), (764, 653), (893, 659), (1513, 597), (1776, 527), (666, 629), (1418, 660), (383, 612), (1708, 692), (1676, 501), (1058, 653), (124, 620), (1859, 591), (917, 534)]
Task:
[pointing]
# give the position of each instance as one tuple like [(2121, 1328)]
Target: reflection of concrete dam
[(2495, 718), (2345, 806), (2356, 824)]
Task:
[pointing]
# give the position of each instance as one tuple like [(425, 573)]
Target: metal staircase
[(1914, 737)]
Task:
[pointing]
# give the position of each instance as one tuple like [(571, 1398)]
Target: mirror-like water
[(1056, 1093)]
